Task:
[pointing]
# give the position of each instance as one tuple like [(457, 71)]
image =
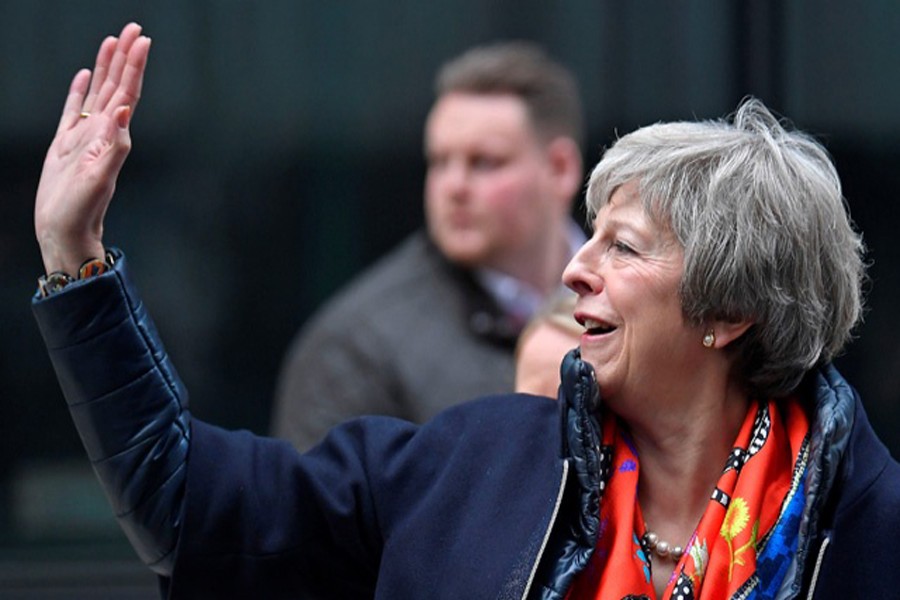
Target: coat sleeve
[(127, 402), (262, 520), (216, 513)]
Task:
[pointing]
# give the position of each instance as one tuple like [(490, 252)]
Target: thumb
[(123, 116), (120, 138)]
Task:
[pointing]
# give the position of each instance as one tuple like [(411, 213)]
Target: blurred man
[(435, 322)]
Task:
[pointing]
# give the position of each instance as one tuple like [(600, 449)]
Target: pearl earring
[(709, 340)]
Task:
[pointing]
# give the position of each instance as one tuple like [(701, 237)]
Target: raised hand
[(87, 153)]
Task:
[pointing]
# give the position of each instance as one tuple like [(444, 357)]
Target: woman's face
[(627, 277)]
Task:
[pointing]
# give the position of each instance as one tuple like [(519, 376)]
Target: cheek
[(511, 198), (661, 329), (644, 307), (432, 190)]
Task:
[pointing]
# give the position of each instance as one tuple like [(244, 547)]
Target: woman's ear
[(721, 333)]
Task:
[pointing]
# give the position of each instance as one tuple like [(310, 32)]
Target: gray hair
[(548, 89), (766, 234)]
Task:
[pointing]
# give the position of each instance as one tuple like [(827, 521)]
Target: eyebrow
[(619, 224)]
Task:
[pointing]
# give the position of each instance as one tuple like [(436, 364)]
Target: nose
[(451, 179), (582, 274)]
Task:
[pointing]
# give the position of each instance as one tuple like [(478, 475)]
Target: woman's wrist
[(57, 279), (68, 258)]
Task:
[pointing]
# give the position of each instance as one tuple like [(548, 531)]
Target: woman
[(727, 458), (545, 339)]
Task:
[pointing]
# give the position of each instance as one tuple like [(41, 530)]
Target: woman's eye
[(622, 247)]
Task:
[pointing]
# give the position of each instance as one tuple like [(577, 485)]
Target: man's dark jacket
[(497, 498)]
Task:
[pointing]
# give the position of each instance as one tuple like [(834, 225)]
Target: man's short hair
[(521, 69)]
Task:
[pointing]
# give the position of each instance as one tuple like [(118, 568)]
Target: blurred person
[(543, 343), (436, 320), (703, 445)]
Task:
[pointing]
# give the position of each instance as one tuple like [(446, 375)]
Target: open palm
[(87, 152)]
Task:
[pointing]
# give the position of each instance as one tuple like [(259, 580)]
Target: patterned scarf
[(747, 536)]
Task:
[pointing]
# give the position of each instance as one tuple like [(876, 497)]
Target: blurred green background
[(277, 151)]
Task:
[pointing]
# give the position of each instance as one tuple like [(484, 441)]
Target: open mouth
[(594, 327)]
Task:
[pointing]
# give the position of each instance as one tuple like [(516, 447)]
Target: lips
[(595, 326), (459, 221)]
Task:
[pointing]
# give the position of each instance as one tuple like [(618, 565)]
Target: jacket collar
[(839, 432), (483, 316), (574, 534)]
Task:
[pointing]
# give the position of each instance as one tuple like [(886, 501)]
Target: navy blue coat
[(496, 498)]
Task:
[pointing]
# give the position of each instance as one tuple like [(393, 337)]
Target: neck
[(542, 265), (680, 468)]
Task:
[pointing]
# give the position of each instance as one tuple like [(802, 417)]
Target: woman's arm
[(127, 402)]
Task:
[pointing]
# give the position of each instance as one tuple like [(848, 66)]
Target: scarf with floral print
[(746, 538)]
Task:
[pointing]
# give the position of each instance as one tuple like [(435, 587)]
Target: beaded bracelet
[(53, 282)]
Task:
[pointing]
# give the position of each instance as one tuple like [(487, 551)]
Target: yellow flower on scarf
[(736, 518)]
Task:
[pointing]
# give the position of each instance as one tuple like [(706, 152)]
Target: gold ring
[(85, 115)]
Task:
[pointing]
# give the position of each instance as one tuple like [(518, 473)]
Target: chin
[(604, 382), (466, 254), (587, 358)]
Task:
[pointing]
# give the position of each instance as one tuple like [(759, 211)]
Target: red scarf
[(760, 477)]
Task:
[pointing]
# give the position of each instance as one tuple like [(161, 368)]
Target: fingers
[(128, 92), (110, 85), (116, 80), (74, 101), (101, 67)]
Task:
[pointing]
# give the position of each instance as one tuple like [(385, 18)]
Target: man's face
[(489, 197)]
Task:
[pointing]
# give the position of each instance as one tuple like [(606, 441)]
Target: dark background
[(277, 151)]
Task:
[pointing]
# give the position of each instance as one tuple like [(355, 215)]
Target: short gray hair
[(766, 233)]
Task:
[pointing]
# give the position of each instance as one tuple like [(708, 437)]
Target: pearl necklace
[(663, 549)]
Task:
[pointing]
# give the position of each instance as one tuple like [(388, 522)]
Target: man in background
[(435, 322)]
